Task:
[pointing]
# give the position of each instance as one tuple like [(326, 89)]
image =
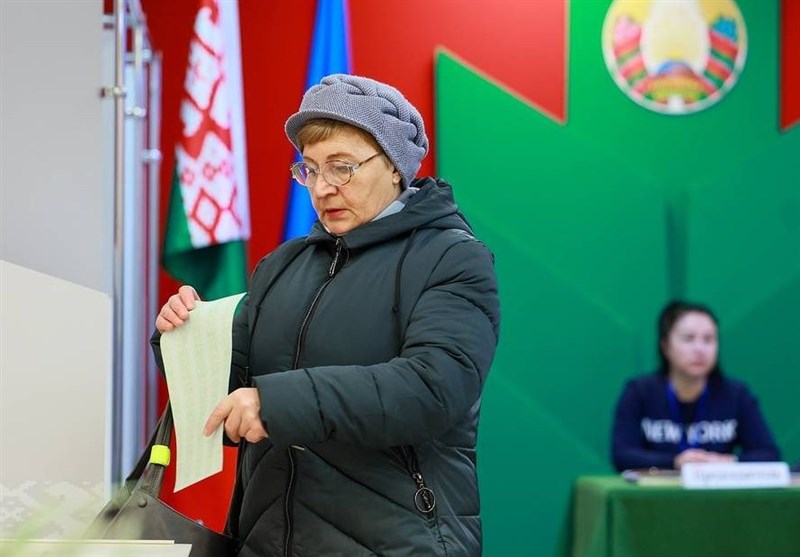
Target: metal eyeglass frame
[(352, 167)]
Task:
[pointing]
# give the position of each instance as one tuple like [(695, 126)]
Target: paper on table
[(94, 548), (197, 363)]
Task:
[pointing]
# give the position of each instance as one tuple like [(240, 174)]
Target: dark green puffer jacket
[(369, 352)]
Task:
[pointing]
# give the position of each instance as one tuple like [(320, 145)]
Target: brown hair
[(320, 129)]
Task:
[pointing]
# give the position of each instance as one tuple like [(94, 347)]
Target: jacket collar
[(432, 206)]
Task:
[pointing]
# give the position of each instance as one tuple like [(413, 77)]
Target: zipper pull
[(247, 380), (424, 499), (332, 269)]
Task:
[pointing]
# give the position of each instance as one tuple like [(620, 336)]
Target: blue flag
[(330, 53)]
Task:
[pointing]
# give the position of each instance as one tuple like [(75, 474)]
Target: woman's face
[(371, 189), (691, 347)]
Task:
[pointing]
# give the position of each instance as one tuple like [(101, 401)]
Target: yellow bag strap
[(160, 454)]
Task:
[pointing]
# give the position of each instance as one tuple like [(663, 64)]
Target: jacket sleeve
[(240, 347), (628, 449), (755, 439), (448, 346), (155, 344)]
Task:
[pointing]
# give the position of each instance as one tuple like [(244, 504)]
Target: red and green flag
[(209, 219)]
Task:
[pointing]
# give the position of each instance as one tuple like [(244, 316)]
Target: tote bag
[(136, 512)]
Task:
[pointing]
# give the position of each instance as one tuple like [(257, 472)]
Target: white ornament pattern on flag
[(204, 156)]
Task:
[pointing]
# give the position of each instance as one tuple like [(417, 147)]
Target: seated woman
[(688, 411)]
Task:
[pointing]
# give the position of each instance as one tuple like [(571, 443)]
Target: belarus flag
[(209, 216)]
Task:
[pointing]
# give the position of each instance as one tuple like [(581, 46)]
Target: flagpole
[(115, 472), (152, 158)]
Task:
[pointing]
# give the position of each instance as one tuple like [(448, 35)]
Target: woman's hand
[(700, 455), (176, 311), (241, 413)]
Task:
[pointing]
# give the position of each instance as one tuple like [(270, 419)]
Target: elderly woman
[(363, 348), (688, 411)]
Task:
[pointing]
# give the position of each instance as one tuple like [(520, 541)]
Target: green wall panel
[(595, 223)]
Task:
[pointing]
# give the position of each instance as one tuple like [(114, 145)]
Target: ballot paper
[(197, 363)]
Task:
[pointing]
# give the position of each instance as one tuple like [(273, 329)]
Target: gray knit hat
[(377, 108)]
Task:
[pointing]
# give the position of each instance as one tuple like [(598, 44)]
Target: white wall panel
[(56, 211), (56, 253)]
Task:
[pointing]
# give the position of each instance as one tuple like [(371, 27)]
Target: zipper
[(336, 255), (287, 507), (424, 498), (301, 337)]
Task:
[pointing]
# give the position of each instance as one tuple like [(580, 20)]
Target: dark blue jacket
[(650, 429), (369, 352)]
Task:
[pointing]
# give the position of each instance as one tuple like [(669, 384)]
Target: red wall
[(790, 63)]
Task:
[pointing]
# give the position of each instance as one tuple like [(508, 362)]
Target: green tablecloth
[(614, 518)]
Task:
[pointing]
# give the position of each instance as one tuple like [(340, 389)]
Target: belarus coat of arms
[(674, 56)]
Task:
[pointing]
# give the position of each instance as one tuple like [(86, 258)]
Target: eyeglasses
[(336, 173)]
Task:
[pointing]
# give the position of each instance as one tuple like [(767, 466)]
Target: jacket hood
[(433, 206)]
